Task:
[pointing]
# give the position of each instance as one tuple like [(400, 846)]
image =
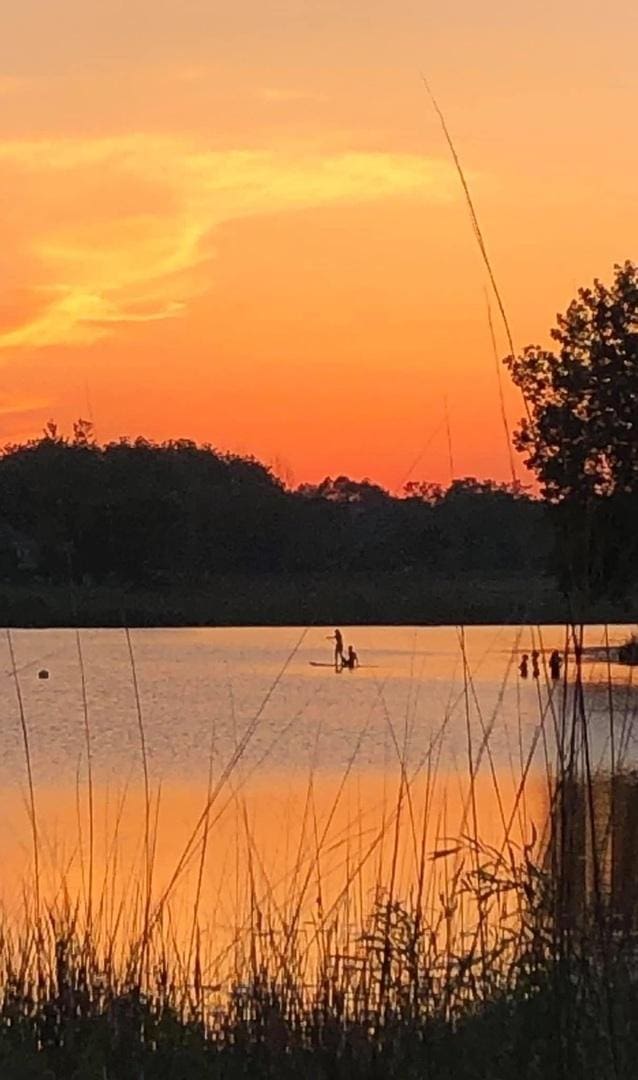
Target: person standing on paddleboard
[(337, 637)]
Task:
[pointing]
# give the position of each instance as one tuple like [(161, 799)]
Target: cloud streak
[(113, 231)]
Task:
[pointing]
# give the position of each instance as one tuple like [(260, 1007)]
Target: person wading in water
[(555, 664), (536, 671), (350, 661)]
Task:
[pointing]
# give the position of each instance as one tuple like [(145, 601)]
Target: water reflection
[(298, 849)]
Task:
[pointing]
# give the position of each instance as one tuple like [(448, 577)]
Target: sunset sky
[(239, 222)]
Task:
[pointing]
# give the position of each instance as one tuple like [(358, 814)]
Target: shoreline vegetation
[(386, 599)]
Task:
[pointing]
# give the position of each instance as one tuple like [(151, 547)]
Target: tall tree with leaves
[(580, 434)]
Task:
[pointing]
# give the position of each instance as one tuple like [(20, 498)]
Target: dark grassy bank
[(548, 993), (399, 598), (558, 1032)]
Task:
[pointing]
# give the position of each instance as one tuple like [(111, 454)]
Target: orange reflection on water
[(286, 855)]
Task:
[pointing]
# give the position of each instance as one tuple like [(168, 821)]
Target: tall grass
[(386, 947)]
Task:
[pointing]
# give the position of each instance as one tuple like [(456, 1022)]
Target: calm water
[(299, 759), (258, 686)]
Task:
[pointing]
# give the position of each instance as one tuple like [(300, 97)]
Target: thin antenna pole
[(419, 458), (89, 404)]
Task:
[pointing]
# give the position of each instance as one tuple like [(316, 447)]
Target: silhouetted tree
[(141, 512), (424, 491), (481, 525), (344, 490), (580, 436)]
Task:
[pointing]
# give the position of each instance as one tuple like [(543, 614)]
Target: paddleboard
[(323, 663)]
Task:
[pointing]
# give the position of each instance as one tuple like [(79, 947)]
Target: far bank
[(388, 599)]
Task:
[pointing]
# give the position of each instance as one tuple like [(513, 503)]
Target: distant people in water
[(535, 664), (523, 667), (337, 637), (350, 661), (555, 664)]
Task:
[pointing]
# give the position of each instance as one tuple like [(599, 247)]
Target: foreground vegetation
[(564, 1020), (547, 992)]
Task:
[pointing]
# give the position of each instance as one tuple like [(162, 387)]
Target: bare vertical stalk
[(147, 801), (478, 233), (204, 847), (27, 758), (89, 768), (472, 776), (501, 395), (612, 767)]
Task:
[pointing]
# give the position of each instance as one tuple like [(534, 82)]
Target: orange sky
[(239, 222)]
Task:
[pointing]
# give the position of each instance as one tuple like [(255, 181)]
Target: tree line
[(147, 514)]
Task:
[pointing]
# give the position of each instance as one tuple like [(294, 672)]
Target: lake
[(224, 756)]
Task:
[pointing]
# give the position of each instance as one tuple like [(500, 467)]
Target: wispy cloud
[(117, 230)]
